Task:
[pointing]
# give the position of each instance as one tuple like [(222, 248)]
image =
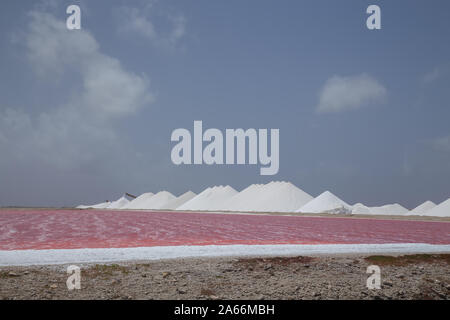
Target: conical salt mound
[(326, 203), (158, 201), (359, 208), (102, 205), (139, 202), (423, 208), (197, 200), (239, 201), (210, 199), (281, 197), (118, 204), (389, 209), (276, 196), (441, 210), (175, 203)]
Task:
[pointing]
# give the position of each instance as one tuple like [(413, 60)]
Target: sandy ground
[(324, 277)]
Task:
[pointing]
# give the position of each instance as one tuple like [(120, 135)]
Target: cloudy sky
[(87, 115)]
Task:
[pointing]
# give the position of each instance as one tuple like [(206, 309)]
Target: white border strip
[(103, 255)]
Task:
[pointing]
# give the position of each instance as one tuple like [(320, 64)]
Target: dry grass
[(409, 259)]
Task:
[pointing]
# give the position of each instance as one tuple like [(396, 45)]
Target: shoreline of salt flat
[(293, 214), (108, 255)]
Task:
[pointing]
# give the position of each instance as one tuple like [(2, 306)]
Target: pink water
[(57, 229)]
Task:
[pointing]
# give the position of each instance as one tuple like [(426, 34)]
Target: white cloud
[(179, 28), (51, 48), (131, 20), (441, 144), (349, 93), (431, 76), (109, 89), (82, 128), (140, 22), (438, 73)]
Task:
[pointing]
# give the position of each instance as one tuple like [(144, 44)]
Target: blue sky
[(87, 115)]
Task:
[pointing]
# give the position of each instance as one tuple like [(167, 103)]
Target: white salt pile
[(139, 202), (441, 210), (423, 208), (158, 201), (102, 205), (175, 203), (240, 201), (326, 203), (209, 199), (359, 208), (276, 196), (118, 204), (389, 209)]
